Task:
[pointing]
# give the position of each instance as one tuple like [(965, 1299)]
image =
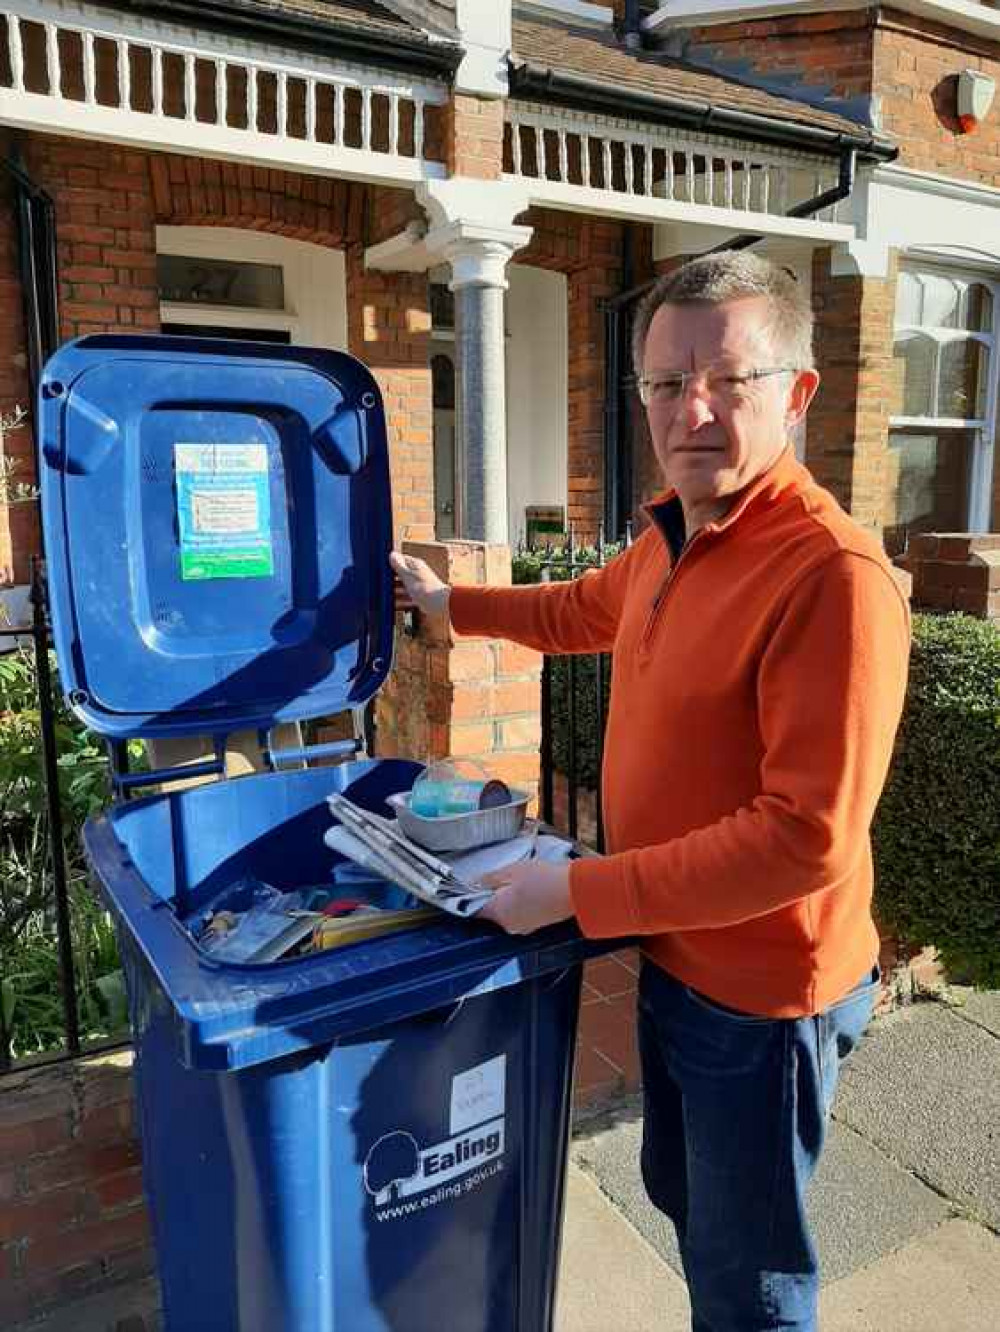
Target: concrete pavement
[(906, 1206)]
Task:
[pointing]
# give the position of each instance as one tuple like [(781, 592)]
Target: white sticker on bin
[(478, 1094)]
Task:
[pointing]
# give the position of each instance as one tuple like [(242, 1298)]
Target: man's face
[(716, 437)]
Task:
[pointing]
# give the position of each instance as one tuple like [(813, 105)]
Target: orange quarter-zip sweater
[(758, 679)]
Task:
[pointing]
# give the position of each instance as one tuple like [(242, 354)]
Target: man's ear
[(800, 395)]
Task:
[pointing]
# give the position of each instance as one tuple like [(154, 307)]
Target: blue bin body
[(370, 1139)]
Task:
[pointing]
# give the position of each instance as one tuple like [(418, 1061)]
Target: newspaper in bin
[(376, 842)]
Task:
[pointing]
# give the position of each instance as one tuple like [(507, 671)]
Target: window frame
[(983, 429)]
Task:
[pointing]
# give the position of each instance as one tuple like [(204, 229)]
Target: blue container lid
[(218, 522)]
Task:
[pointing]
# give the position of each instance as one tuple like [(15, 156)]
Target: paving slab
[(924, 1088), (948, 1280), (610, 1278), (980, 1006), (862, 1205)]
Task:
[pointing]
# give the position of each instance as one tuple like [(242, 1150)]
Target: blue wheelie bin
[(370, 1139)]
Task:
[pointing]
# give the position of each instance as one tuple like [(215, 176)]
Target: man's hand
[(528, 897), (421, 584)]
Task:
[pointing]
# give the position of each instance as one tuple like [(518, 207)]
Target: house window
[(941, 439)]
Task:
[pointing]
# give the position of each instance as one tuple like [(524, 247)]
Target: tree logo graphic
[(391, 1161)]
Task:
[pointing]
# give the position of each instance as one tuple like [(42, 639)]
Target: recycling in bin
[(353, 1104)]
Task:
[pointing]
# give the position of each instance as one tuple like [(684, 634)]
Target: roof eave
[(425, 55), (569, 89)]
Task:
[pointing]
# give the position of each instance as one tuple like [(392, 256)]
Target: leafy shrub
[(937, 829), (29, 966)]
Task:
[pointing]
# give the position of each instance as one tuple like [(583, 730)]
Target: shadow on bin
[(440, 1194)]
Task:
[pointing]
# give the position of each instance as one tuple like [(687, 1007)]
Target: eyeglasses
[(667, 387)]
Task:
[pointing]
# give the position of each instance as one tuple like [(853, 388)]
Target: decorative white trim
[(927, 182), (606, 204), (406, 252), (485, 32), (598, 16), (238, 316), (920, 213), (174, 56), (965, 15), (614, 166), (478, 254), (473, 202)]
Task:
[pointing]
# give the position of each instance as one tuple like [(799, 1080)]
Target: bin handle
[(304, 754)]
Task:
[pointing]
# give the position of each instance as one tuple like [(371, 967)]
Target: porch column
[(478, 257)]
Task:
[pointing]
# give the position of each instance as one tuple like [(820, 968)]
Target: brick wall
[(814, 56), (916, 64), (956, 571), (471, 697), (847, 448), (474, 132), (72, 1216), (106, 231)]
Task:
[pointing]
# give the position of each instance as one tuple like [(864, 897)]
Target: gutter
[(428, 56), (569, 89)]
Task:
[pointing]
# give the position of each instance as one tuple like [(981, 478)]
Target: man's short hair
[(732, 275)]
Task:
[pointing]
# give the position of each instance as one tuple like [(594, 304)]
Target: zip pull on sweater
[(752, 721)]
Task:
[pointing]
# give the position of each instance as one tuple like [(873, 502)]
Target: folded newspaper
[(380, 845)]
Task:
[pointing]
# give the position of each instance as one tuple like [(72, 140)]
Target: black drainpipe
[(618, 451), (632, 29), (36, 236)]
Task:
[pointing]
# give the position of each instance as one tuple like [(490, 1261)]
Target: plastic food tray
[(462, 832)]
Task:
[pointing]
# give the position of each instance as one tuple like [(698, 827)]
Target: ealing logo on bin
[(397, 1168)]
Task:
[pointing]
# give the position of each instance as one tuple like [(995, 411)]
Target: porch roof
[(552, 60)]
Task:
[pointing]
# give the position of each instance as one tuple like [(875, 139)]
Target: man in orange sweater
[(760, 653)]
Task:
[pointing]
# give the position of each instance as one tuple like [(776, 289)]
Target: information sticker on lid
[(224, 511)]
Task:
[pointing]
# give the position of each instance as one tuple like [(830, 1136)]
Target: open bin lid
[(218, 523)]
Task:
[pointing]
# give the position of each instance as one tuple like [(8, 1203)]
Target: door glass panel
[(928, 484)]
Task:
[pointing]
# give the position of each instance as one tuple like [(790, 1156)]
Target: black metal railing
[(37, 631), (574, 693)]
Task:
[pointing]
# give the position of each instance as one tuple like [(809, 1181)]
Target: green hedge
[(937, 828)]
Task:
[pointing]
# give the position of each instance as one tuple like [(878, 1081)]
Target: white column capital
[(478, 254), (487, 203)]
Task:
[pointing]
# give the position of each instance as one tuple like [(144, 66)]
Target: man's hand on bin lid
[(419, 586), (528, 896)]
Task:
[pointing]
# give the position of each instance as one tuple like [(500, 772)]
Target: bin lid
[(218, 522)]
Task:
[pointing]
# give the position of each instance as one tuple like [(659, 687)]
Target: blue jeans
[(736, 1109)]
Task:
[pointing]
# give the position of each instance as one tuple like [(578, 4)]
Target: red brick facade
[(849, 419), (72, 1214), (828, 55), (916, 65)]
